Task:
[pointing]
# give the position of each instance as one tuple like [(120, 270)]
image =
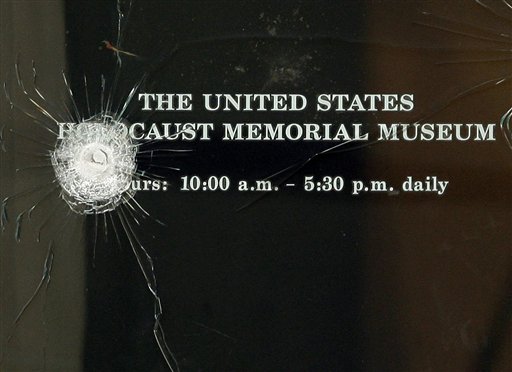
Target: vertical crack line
[(24, 91), (102, 94), (87, 102), (122, 16), (147, 268), (105, 229), (48, 264), (38, 92), (95, 240), (506, 128), (110, 214), (129, 98), (79, 117)]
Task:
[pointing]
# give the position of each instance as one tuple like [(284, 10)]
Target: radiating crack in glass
[(45, 280), (445, 25), (498, 42), (94, 165), (98, 150)]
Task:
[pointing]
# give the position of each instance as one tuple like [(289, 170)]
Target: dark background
[(281, 278), (302, 281)]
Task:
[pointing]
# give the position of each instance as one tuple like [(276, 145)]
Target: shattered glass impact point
[(95, 163)]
